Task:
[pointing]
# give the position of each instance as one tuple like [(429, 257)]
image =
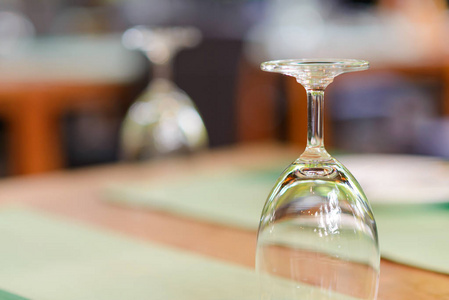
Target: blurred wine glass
[(163, 120)]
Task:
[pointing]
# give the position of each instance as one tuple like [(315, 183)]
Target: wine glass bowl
[(317, 236)]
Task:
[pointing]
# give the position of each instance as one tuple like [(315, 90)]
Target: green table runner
[(416, 235), (43, 257), (411, 235), (8, 296), (231, 198), (49, 258), (100, 59)]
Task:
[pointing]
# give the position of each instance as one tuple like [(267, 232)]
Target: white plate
[(400, 179)]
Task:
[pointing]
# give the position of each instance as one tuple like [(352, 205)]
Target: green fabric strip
[(416, 235), (44, 257), (8, 296), (231, 199)]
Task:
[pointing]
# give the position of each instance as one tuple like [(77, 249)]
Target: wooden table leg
[(34, 136)]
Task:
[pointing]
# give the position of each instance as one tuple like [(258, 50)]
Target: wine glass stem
[(163, 71), (315, 150), (315, 99)]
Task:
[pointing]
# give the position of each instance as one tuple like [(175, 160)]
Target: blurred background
[(67, 81)]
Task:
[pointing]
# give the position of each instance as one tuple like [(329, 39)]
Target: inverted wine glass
[(317, 235), (163, 120)]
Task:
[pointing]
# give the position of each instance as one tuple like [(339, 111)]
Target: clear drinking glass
[(163, 120), (317, 236)]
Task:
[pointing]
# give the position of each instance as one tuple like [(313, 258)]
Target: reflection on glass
[(317, 237), (163, 120)]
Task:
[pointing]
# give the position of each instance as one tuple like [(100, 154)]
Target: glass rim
[(314, 64)]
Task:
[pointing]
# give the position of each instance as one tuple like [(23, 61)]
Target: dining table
[(76, 194)]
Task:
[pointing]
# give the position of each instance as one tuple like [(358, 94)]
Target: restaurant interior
[(141, 139)]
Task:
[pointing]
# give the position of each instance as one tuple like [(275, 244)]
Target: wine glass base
[(317, 73)]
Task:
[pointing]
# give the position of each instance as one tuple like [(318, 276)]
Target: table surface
[(77, 194)]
